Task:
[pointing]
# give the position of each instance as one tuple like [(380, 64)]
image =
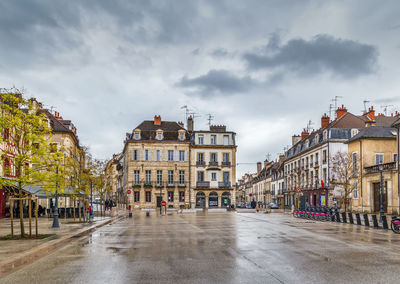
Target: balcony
[(200, 163), (203, 184), (213, 163), (226, 163), (181, 184), (224, 184), (375, 169)]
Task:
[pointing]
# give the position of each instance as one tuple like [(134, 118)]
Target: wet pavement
[(221, 247)]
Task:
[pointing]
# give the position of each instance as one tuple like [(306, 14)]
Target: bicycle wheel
[(395, 228)]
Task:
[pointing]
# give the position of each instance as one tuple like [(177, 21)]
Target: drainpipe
[(190, 173), (398, 172), (361, 173)]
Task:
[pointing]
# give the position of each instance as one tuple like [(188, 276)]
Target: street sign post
[(129, 191), (163, 203)]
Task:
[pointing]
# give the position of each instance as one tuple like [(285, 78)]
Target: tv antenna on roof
[(365, 105), (336, 100), (385, 108), (309, 124), (210, 118), (331, 107), (268, 156)]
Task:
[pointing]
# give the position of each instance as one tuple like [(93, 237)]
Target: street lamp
[(382, 212), (91, 199), (56, 224)]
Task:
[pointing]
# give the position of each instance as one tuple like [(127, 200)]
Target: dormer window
[(181, 135), (316, 139), (325, 134), (159, 135), (354, 132), (307, 143), (136, 134)]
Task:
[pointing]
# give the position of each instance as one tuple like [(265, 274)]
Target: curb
[(16, 262)]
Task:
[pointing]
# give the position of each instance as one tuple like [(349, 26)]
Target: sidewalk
[(16, 253)]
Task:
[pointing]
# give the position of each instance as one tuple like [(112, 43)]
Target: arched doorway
[(213, 199), (200, 200), (226, 199)]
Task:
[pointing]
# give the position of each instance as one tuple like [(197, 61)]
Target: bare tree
[(345, 175)]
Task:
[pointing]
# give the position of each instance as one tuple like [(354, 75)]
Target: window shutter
[(176, 155), (166, 155), (186, 157), (143, 155), (133, 155)]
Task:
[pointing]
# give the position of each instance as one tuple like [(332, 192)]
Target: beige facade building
[(213, 169), (368, 149), (156, 165)]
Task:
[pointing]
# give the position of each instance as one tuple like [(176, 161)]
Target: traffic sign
[(129, 191), (163, 203)]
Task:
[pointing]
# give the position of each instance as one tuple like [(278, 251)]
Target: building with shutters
[(156, 164), (213, 166), (368, 149)]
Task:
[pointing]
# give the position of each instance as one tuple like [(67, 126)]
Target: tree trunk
[(79, 209), (74, 208), (21, 217)]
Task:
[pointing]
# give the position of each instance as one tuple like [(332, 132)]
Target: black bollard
[(337, 217), (351, 220), (375, 221), (366, 220), (147, 213), (358, 219), (384, 222), (344, 217)]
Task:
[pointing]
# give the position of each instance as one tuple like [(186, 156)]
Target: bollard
[(351, 220), (384, 222), (366, 220), (147, 213), (337, 217), (344, 217), (375, 221), (358, 219)]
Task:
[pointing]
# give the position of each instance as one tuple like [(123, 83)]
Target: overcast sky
[(263, 68)]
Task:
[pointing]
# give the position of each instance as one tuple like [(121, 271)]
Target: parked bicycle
[(395, 225)]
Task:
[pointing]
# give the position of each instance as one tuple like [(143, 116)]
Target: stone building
[(368, 149), (213, 166), (156, 164), (308, 169), (114, 176)]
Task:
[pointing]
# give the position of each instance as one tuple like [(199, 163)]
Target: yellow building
[(367, 149), (156, 165)]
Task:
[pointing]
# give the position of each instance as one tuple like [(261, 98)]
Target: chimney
[(340, 112), (324, 121), (258, 168), (371, 113), (295, 139), (157, 120), (180, 123), (190, 124), (304, 134)]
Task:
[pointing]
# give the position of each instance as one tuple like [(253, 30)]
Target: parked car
[(273, 205)]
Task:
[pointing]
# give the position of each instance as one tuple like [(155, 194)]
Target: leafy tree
[(26, 138)]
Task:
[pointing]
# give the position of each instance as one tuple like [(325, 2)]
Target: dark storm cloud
[(345, 58), (218, 81)]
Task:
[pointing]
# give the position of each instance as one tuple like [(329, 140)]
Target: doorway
[(377, 196)]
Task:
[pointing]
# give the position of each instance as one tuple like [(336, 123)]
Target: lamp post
[(91, 199), (56, 224), (381, 211)]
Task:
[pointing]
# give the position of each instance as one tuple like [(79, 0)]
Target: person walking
[(89, 212)]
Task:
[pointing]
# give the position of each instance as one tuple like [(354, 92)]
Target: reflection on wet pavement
[(221, 247)]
